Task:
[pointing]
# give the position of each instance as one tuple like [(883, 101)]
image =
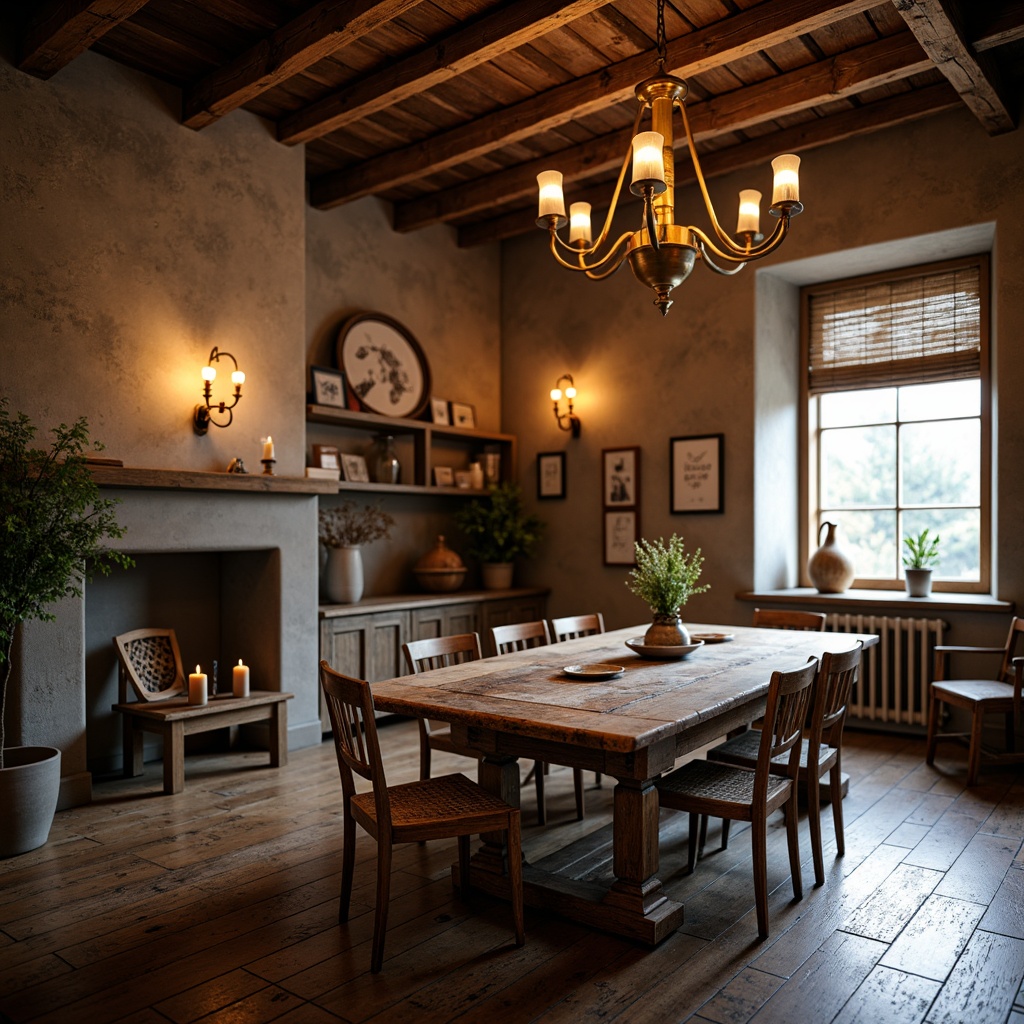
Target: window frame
[(810, 428)]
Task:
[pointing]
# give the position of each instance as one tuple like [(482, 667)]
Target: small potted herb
[(921, 556), (665, 576), (499, 530)]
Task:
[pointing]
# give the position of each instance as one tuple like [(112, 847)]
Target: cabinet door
[(461, 618), (427, 623), (387, 632)]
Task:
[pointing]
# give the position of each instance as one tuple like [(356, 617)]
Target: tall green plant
[(922, 551), (665, 575), (498, 528), (51, 523)]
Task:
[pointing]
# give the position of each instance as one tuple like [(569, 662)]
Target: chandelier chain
[(662, 48)]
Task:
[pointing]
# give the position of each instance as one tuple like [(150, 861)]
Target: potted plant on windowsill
[(665, 577), (498, 530), (52, 521), (921, 556)]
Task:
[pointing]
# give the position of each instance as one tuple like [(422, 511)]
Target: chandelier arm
[(742, 256), (626, 164), (593, 266), (702, 248)]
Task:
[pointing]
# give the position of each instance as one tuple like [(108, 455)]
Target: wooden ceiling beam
[(62, 29), (887, 113), (469, 47), (939, 28), (999, 27), (846, 74), (312, 36), (738, 36)]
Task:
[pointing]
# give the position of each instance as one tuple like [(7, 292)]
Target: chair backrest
[(149, 659), (520, 636), (354, 727), (836, 676), (789, 696), (814, 621), (441, 651), (1006, 671), (571, 626)]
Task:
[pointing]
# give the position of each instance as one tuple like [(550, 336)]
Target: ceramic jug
[(830, 570)]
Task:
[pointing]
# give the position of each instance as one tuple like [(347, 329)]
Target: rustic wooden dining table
[(632, 728)]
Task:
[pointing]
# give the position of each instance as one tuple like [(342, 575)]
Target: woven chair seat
[(720, 783), (742, 750), (434, 801)]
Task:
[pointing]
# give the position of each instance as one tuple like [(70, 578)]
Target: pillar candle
[(240, 680), (197, 687), (268, 448)]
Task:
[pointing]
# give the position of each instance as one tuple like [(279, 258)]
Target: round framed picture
[(384, 365)]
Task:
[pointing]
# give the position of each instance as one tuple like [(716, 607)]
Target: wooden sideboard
[(365, 639)]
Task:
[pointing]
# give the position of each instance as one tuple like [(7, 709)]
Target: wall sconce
[(565, 420), (203, 415)]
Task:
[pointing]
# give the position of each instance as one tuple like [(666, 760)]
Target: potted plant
[(343, 530), (498, 530), (52, 521), (665, 577), (921, 556)]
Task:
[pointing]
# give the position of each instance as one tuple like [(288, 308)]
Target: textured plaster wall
[(448, 298), (710, 366)]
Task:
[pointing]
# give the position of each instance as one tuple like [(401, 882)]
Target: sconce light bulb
[(570, 392), (238, 377), (556, 394), (209, 373)]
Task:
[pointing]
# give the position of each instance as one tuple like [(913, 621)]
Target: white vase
[(919, 582), (344, 579)]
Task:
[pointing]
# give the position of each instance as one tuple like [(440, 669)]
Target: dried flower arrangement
[(350, 524)]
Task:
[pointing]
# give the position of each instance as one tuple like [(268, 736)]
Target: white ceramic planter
[(29, 787), (919, 582), (344, 574)]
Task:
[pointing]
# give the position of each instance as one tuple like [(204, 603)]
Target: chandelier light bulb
[(579, 223), (648, 157), (552, 202), (787, 178), (750, 212)]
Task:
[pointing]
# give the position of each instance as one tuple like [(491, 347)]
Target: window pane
[(932, 401), (941, 463), (856, 408), (869, 540), (858, 467), (959, 533)]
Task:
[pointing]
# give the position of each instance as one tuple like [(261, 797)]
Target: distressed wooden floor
[(220, 904)]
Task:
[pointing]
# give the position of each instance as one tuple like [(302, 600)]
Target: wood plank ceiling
[(449, 108)]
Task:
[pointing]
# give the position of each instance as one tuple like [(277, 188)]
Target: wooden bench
[(150, 665)]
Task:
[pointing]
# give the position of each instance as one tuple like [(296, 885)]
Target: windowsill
[(895, 600)]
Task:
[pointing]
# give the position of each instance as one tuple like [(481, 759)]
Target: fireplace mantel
[(135, 478)]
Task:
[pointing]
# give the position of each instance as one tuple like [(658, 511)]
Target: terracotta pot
[(497, 575), (344, 578), (29, 787), (667, 631), (830, 570)]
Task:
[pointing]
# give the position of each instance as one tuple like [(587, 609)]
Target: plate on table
[(713, 638), (595, 672), (664, 653)]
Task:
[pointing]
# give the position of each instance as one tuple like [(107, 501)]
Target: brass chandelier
[(662, 253)]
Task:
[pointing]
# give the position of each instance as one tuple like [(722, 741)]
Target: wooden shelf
[(391, 425), (893, 602), (134, 478)]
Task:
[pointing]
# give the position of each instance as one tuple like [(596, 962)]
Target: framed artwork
[(463, 415), (328, 387), (697, 473), (326, 456), (444, 476), (621, 532), (384, 365), (354, 468), (551, 475), (439, 412), (621, 477)]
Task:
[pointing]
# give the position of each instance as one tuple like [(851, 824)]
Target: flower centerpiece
[(498, 530), (343, 530), (665, 577), (921, 556)]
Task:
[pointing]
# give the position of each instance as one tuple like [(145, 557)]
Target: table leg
[(131, 747), (498, 775), (279, 735), (174, 757)]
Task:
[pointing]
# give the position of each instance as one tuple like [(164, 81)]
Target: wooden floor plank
[(933, 940), (894, 997), (738, 1001), (979, 871), (883, 915), (1005, 913), (983, 984)]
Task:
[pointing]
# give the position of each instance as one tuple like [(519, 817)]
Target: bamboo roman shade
[(912, 328)]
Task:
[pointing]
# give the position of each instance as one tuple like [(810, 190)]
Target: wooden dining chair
[(447, 807), (820, 750), (741, 794), (979, 697), (524, 636), (812, 621), (571, 626)]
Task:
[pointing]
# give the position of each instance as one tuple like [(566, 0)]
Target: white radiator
[(893, 682)]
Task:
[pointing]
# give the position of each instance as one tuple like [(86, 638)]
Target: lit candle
[(787, 178), (268, 448), (240, 680), (552, 202), (197, 687), (750, 212), (648, 157)]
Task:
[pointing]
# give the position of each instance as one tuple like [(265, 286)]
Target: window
[(897, 419)]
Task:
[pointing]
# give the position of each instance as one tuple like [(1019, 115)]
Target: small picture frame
[(621, 532), (697, 474), (551, 475), (621, 477), (326, 456), (463, 415), (439, 412), (328, 387), (444, 476), (463, 479), (354, 468)]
